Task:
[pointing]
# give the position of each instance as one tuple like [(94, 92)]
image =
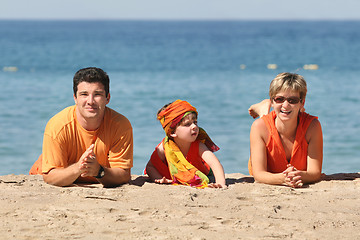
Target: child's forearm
[(219, 174), (152, 172)]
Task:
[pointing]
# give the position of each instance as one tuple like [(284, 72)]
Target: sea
[(220, 67)]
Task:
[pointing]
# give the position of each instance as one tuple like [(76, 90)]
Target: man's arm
[(87, 166), (115, 176), (90, 167), (66, 176), (62, 176), (120, 155)]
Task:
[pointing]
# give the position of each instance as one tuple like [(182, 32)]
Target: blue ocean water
[(218, 66)]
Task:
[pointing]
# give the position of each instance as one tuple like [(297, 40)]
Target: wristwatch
[(101, 172)]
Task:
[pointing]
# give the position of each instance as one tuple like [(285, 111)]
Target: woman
[(286, 146)]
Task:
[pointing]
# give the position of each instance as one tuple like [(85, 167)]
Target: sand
[(32, 209)]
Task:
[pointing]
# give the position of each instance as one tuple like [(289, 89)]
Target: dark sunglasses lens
[(293, 100), (279, 99)]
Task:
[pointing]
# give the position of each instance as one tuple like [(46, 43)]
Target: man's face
[(91, 100)]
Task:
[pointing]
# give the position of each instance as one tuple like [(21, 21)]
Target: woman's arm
[(258, 137), (314, 138)]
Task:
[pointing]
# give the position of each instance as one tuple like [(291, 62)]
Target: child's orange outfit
[(192, 157)]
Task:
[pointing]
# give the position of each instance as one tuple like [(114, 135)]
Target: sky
[(181, 9)]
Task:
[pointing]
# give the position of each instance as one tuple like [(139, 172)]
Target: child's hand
[(163, 180), (217, 185)]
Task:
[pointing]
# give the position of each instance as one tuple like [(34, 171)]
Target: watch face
[(101, 172)]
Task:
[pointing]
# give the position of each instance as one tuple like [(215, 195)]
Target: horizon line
[(179, 19)]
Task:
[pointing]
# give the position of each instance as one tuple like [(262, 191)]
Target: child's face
[(188, 129)]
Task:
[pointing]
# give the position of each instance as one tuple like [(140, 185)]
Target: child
[(185, 156)]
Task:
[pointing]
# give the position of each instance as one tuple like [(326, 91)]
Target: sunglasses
[(291, 100)]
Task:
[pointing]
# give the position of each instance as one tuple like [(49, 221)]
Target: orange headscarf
[(172, 114)]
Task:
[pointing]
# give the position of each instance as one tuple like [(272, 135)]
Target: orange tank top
[(276, 157), (192, 157)]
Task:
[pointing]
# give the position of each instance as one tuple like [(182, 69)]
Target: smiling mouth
[(285, 112)]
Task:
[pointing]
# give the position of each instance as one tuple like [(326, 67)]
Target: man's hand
[(88, 164)]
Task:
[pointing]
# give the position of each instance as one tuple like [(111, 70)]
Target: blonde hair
[(288, 81)]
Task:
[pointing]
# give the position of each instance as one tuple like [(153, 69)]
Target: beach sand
[(32, 209)]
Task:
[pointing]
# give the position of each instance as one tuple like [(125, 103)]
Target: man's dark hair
[(91, 75)]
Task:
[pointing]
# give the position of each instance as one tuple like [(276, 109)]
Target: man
[(87, 142)]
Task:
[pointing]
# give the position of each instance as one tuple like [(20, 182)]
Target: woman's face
[(287, 104)]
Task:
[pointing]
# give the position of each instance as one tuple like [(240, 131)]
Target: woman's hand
[(292, 177)]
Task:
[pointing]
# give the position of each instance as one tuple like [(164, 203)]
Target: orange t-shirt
[(192, 157), (275, 153), (65, 140)]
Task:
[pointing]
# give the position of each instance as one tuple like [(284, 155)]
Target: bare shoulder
[(314, 125), (205, 153), (259, 130), (202, 147), (314, 129), (161, 151), (258, 125), (161, 147)]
